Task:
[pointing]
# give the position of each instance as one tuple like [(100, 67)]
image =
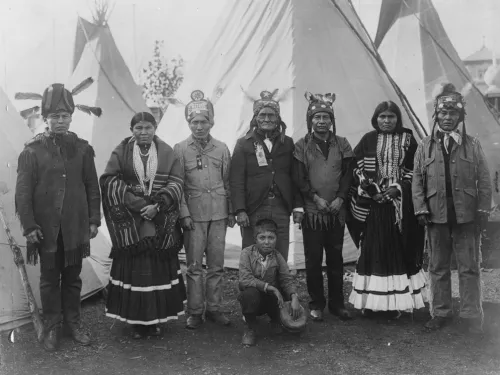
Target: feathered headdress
[(57, 97), (270, 100), (319, 103)]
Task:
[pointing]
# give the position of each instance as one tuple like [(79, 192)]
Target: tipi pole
[(417, 124), (19, 261)]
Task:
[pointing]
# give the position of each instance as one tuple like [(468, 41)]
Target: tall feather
[(283, 94), (82, 86), (248, 96), (96, 111), (28, 96), (273, 94), (467, 89), (174, 101), (29, 111)]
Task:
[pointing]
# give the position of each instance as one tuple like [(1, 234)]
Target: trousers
[(332, 242), (60, 289), (207, 237), (275, 209), (462, 239), (255, 303)]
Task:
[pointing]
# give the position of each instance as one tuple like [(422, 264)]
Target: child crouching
[(264, 278)]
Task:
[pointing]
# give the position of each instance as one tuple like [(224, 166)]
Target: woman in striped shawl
[(141, 191), (389, 274)]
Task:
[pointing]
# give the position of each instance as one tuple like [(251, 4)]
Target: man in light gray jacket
[(205, 210), (452, 197)]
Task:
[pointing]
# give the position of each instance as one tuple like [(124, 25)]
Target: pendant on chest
[(261, 155)]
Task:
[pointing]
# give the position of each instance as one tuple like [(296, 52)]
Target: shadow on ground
[(361, 346)]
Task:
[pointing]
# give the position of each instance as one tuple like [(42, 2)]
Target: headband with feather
[(268, 99), (57, 97)]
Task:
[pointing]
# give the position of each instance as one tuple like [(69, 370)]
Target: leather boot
[(217, 317), (80, 337), (51, 340), (194, 321)]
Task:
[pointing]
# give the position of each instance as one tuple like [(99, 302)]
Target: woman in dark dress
[(141, 191), (389, 274)]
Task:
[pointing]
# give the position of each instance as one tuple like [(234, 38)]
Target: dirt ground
[(360, 346)]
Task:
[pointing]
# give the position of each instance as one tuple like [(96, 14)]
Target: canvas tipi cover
[(96, 55), (14, 310), (308, 45), (419, 55)]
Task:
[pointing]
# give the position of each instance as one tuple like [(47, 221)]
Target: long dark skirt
[(387, 277), (146, 289)]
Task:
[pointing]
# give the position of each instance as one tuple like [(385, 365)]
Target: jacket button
[(206, 166), (64, 176), (208, 191), (456, 189), (453, 161)]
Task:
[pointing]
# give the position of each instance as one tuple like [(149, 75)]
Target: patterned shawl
[(119, 180)]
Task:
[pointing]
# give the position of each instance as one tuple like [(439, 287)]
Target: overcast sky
[(32, 55)]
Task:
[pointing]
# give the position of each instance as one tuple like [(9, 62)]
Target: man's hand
[(187, 223), (149, 212), (297, 217), (392, 193), (482, 220), (322, 204), (336, 205), (93, 230), (35, 236), (295, 307), (379, 198), (277, 294), (242, 219), (231, 220), (423, 219)]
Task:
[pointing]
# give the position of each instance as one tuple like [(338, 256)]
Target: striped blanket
[(122, 201)]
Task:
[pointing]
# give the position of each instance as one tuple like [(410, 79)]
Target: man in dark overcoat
[(58, 204), (261, 175)]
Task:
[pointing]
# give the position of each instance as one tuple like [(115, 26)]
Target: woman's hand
[(187, 223), (392, 193), (149, 212), (231, 220)]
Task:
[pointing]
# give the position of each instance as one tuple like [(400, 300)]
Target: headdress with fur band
[(199, 106), (57, 97), (271, 100), (319, 103), (448, 97)]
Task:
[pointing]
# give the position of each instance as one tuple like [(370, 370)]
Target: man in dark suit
[(261, 175)]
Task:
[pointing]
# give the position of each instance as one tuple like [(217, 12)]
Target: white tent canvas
[(420, 56), (14, 310), (308, 45), (114, 90)]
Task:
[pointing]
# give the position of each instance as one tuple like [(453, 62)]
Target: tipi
[(315, 45), (411, 38), (14, 309), (114, 90)]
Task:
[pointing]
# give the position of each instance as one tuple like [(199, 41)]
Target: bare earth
[(361, 346)]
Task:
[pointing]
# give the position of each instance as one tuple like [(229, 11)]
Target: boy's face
[(266, 241)]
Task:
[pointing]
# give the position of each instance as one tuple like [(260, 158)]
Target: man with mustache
[(452, 197), (323, 173), (206, 210), (58, 204)]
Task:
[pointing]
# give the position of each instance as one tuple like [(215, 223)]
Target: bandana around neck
[(457, 137)]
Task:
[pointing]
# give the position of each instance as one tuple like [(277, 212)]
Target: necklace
[(147, 174)]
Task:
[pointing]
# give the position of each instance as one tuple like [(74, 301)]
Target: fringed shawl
[(119, 180)]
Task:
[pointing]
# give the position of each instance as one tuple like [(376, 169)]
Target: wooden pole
[(19, 261)]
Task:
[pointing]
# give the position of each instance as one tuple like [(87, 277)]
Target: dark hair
[(389, 106), (142, 116), (265, 225)]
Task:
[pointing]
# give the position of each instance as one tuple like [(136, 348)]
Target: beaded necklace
[(389, 155), (145, 174)]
